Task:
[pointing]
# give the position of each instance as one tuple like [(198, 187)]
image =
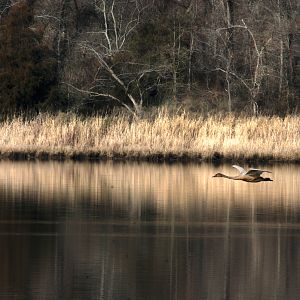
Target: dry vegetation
[(158, 137)]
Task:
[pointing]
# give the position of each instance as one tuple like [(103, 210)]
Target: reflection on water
[(146, 231)]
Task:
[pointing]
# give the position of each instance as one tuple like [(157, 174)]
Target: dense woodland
[(91, 56)]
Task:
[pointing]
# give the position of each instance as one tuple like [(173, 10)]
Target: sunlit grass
[(161, 135)]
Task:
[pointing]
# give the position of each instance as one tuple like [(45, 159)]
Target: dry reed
[(162, 136)]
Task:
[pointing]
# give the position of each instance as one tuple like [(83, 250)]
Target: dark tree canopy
[(27, 67), (92, 55)]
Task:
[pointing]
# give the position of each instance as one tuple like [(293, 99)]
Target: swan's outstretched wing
[(240, 169), (256, 172)]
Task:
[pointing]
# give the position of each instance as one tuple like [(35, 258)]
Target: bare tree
[(254, 82), (118, 20)]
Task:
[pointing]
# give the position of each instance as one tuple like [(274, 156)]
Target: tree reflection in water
[(146, 231)]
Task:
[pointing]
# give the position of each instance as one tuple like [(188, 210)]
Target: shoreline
[(151, 158)]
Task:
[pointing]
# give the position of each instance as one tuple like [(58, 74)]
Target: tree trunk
[(230, 23), (190, 60), (174, 63)]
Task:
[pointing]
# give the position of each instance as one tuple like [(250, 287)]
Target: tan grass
[(161, 135)]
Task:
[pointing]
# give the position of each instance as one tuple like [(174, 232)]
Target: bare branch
[(96, 94), (48, 17), (7, 7), (105, 24), (112, 74), (114, 25), (236, 76)]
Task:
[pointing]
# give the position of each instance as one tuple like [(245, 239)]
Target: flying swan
[(252, 175)]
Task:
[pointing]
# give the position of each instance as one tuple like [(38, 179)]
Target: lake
[(79, 230)]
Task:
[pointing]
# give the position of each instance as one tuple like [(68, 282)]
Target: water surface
[(147, 231)]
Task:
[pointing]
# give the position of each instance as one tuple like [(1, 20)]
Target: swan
[(252, 175)]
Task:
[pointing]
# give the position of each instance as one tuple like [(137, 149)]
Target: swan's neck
[(229, 177)]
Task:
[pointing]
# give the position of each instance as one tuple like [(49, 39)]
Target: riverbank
[(159, 137)]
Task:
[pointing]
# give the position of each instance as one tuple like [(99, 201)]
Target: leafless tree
[(118, 20), (252, 84)]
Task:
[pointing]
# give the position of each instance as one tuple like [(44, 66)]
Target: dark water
[(143, 231)]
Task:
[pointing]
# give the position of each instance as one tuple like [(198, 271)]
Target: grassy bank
[(160, 137)]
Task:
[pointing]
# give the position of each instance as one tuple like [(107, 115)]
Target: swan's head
[(219, 175)]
